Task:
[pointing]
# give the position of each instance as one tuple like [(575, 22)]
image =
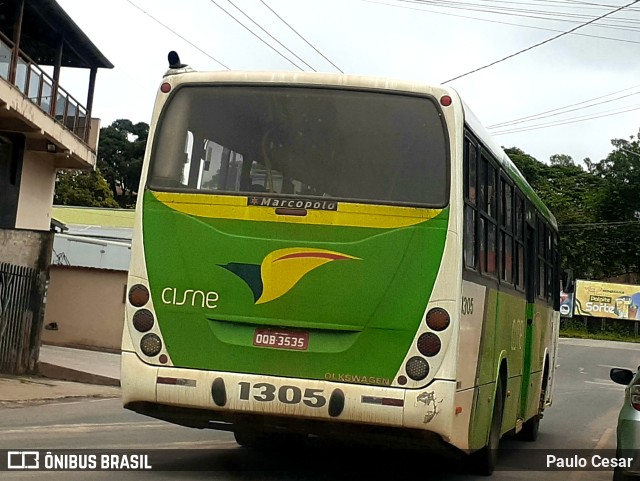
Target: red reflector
[(176, 381), (165, 88), (458, 409), (445, 100), (384, 401), (167, 380)]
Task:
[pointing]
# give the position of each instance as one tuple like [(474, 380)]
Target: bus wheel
[(530, 429), (484, 460)]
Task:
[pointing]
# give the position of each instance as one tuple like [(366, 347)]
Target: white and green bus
[(328, 254)]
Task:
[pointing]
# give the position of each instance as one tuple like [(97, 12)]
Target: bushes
[(600, 328)]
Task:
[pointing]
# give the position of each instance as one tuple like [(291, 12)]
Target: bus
[(337, 255)]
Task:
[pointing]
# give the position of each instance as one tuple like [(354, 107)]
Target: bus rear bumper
[(220, 400)]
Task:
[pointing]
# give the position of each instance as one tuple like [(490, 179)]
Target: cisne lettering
[(190, 297)]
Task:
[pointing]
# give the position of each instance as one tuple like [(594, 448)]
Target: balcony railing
[(38, 87)]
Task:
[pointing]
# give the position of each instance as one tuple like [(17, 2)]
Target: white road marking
[(604, 439), (610, 367), (65, 428), (601, 444), (607, 384)]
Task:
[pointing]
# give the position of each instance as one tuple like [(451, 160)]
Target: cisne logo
[(281, 270)]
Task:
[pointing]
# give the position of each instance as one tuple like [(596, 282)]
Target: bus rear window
[(311, 142)]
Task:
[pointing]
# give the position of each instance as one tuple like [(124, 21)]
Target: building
[(88, 271), (42, 129)]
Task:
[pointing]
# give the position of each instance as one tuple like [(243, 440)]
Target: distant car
[(628, 434)]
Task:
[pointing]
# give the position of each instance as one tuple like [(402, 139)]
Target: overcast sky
[(431, 41)]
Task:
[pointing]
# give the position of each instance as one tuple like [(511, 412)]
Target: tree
[(620, 206), (573, 196), (621, 169), (88, 189), (561, 160), (120, 155)]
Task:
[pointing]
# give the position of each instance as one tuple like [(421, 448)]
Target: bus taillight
[(143, 320), (429, 344), (151, 345), (438, 319), (417, 368), (138, 295)]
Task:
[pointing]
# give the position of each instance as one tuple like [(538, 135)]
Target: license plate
[(298, 341)]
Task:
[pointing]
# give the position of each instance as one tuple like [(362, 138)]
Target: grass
[(602, 335), (597, 328)]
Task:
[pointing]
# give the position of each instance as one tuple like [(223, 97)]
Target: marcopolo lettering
[(287, 203)]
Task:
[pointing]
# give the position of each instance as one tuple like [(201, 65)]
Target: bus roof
[(319, 79)]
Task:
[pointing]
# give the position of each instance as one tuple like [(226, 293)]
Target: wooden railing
[(42, 90)]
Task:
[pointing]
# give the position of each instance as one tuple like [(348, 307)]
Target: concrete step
[(79, 365), (53, 371)]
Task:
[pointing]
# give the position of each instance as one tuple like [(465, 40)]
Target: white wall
[(37, 184)]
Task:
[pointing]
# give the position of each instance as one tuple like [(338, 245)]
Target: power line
[(501, 22), (568, 121), (629, 151), (296, 32), (279, 42), (598, 225), (559, 111), (178, 35), (534, 116), (541, 43), (258, 36), (548, 15)]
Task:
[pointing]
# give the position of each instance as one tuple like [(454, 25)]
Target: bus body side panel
[(510, 326), (542, 343), (501, 340), (472, 325), (554, 333), (485, 368)]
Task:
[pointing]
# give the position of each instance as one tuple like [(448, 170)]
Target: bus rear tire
[(530, 429), (484, 461)]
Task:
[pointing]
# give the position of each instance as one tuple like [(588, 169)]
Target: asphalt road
[(583, 416)]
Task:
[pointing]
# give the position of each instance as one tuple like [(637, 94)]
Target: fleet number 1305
[(265, 392)]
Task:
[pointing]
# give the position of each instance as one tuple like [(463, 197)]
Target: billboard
[(601, 299)]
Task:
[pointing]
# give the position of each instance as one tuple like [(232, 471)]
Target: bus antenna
[(174, 60)]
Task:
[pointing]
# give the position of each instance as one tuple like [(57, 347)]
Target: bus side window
[(470, 214), (506, 231), (520, 241)]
